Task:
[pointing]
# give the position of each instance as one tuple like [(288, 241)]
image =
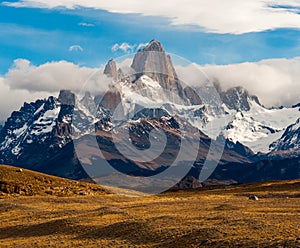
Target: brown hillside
[(198, 218), (15, 181)]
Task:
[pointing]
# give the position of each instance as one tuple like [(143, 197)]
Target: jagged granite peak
[(238, 98), (66, 97), (111, 70), (152, 61), (34, 123), (154, 45), (39, 135)]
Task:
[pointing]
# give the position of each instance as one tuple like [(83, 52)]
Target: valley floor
[(210, 218)]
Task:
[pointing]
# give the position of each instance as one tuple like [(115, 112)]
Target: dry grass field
[(42, 211)]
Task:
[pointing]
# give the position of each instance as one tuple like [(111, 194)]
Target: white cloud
[(13, 99), (125, 47), (25, 82), (75, 48), (54, 76), (141, 45), (85, 24), (275, 81), (231, 16)]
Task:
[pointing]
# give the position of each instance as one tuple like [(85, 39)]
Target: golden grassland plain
[(37, 210)]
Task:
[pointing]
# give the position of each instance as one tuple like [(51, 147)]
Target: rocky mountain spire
[(111, 70), (153, 62), (154, 45)]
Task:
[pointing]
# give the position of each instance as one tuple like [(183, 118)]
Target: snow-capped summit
[(39, 130), (290, 140)]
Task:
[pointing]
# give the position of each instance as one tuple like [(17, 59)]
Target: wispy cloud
[(75, 48), (85, 24), (231, 16)]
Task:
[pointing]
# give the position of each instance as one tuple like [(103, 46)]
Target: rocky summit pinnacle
[(111, 70), (154, 45), (153, 62)]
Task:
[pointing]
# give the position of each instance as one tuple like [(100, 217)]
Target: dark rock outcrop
[(238, 98), (188, 182), (66, 97)]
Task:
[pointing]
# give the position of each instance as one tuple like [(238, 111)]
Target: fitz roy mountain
[(259, 143)]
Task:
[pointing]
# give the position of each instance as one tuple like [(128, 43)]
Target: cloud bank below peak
[(217, 16), (53, 76), (275, 81)]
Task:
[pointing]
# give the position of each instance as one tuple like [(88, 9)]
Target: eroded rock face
[(111, 70)]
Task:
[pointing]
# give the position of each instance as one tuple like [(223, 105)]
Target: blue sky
[(238, 42), (41, 35)]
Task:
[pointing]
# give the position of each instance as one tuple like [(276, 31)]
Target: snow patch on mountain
[(259, 127)]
